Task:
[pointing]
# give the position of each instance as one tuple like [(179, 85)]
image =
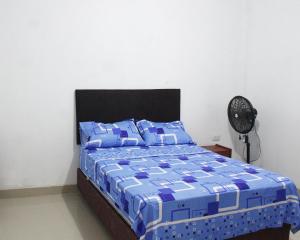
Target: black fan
[(241, 115)]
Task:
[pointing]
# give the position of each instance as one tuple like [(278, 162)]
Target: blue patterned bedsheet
[(187, 192)]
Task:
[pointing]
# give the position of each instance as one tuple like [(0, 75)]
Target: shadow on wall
[(240, 147), (72, 172), (87, 222)]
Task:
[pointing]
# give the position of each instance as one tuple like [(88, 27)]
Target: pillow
[(100, 135), (163, 133)]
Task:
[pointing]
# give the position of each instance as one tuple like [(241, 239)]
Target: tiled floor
[(295, 236), (61, 217)]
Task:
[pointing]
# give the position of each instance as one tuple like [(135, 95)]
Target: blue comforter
[(187, 192)]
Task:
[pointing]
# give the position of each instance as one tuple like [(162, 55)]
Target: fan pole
[(248, 148)]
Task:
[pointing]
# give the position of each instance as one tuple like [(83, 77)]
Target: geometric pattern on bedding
[(187, 192), (105, 135), (163, 133)]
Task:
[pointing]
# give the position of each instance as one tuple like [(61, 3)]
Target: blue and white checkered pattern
[(187, 192), (155, 133), (99, 135)]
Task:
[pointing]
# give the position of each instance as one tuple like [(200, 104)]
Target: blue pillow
[(163, 133), (100, 135)]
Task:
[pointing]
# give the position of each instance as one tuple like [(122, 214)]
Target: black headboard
[(108, 106)]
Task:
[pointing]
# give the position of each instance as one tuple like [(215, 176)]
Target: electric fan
[(241, 115)]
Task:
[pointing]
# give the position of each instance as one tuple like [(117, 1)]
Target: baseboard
[(30, 192)]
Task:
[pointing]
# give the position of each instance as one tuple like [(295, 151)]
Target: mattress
[(188, 192)]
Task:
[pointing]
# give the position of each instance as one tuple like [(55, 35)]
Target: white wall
[(50, 48), (273, 80)]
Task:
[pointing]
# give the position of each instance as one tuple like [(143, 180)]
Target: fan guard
[(241, 114)]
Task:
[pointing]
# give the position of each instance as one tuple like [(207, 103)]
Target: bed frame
[(116, 105)]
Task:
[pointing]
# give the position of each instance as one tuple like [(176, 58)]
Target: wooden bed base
[(120, 230)]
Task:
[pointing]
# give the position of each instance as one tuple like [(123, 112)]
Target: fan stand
[(246, 140)]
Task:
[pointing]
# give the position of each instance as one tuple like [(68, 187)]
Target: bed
[(177, 191)]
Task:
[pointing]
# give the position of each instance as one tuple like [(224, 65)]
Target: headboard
[(160, 105)]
